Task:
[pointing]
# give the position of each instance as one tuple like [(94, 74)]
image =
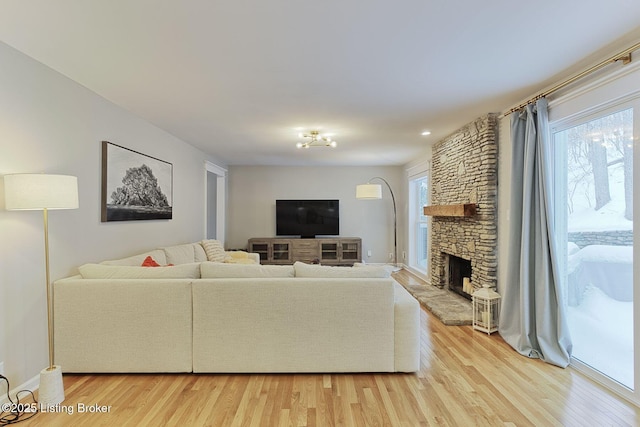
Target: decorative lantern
[(486, 309)]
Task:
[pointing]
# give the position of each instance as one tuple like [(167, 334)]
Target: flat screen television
[(307, 218)]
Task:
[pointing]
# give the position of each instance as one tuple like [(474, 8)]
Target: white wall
[(253, 191), (50, 124)]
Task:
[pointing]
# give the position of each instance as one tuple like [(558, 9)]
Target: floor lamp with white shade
[(371, 191), (44, 192)]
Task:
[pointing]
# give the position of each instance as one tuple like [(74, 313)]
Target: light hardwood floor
[(466, 379)]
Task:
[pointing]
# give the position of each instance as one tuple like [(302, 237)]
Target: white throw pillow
[(214, 250), (213, 270), (101, 271), (314, 270)]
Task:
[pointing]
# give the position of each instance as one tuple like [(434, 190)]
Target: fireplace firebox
[(458, 269)]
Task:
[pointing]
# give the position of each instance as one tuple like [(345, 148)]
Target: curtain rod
[(624, 56)]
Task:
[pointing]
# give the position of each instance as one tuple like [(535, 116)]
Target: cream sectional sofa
[(202, 316)]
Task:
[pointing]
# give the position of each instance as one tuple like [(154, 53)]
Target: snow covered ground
[(602, 334)]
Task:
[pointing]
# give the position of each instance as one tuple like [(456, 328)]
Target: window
[(418, 225)]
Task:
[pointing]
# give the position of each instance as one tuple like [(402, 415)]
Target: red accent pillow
[(150, 262)]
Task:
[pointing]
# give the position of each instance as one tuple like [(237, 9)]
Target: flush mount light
[(315, 139), (425, 133)]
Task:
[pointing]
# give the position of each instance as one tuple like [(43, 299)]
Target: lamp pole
[(45, 215), (395, 222)]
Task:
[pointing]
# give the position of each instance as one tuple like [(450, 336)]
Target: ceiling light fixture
[(425, 133), (316, 140)]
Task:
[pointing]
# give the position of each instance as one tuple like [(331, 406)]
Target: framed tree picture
[(134, 186)]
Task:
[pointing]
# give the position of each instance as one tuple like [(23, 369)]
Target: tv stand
[(325, 250)]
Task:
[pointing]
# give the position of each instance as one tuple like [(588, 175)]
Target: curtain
[(532, 317)]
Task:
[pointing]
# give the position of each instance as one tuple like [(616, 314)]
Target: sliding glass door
[(593, 208)]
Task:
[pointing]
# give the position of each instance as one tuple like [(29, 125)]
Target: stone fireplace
[(464, 171)]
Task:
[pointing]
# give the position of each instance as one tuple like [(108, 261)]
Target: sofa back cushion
[(214, 270), (158, 256), (101, 271), (185, 254), (314, 270)]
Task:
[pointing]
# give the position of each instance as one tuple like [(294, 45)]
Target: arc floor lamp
[(371, 191), (44, 192)]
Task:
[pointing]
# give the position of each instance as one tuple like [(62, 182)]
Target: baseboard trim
[(31, 385), (418, 274)]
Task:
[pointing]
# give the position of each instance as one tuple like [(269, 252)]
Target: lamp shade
[(369, 191), (40, 191)]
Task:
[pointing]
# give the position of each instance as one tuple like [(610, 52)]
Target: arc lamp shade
[(369, 191), (40, 191)]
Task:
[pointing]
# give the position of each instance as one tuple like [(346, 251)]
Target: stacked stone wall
[(465, 170), (613, 238)]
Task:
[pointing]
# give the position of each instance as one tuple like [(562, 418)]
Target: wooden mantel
[(462, 210)]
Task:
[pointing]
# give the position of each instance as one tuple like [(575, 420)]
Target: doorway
[(215, 206)]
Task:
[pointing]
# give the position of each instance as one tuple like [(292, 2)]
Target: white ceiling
[(235, 78)]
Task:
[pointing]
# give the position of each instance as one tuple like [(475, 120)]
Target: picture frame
[(135, 186)]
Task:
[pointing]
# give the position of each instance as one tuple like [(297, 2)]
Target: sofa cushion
[(137, 260), (315, 270), (201, 255), (214, 250), (101, 271), (214, 270), (184, 254)]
